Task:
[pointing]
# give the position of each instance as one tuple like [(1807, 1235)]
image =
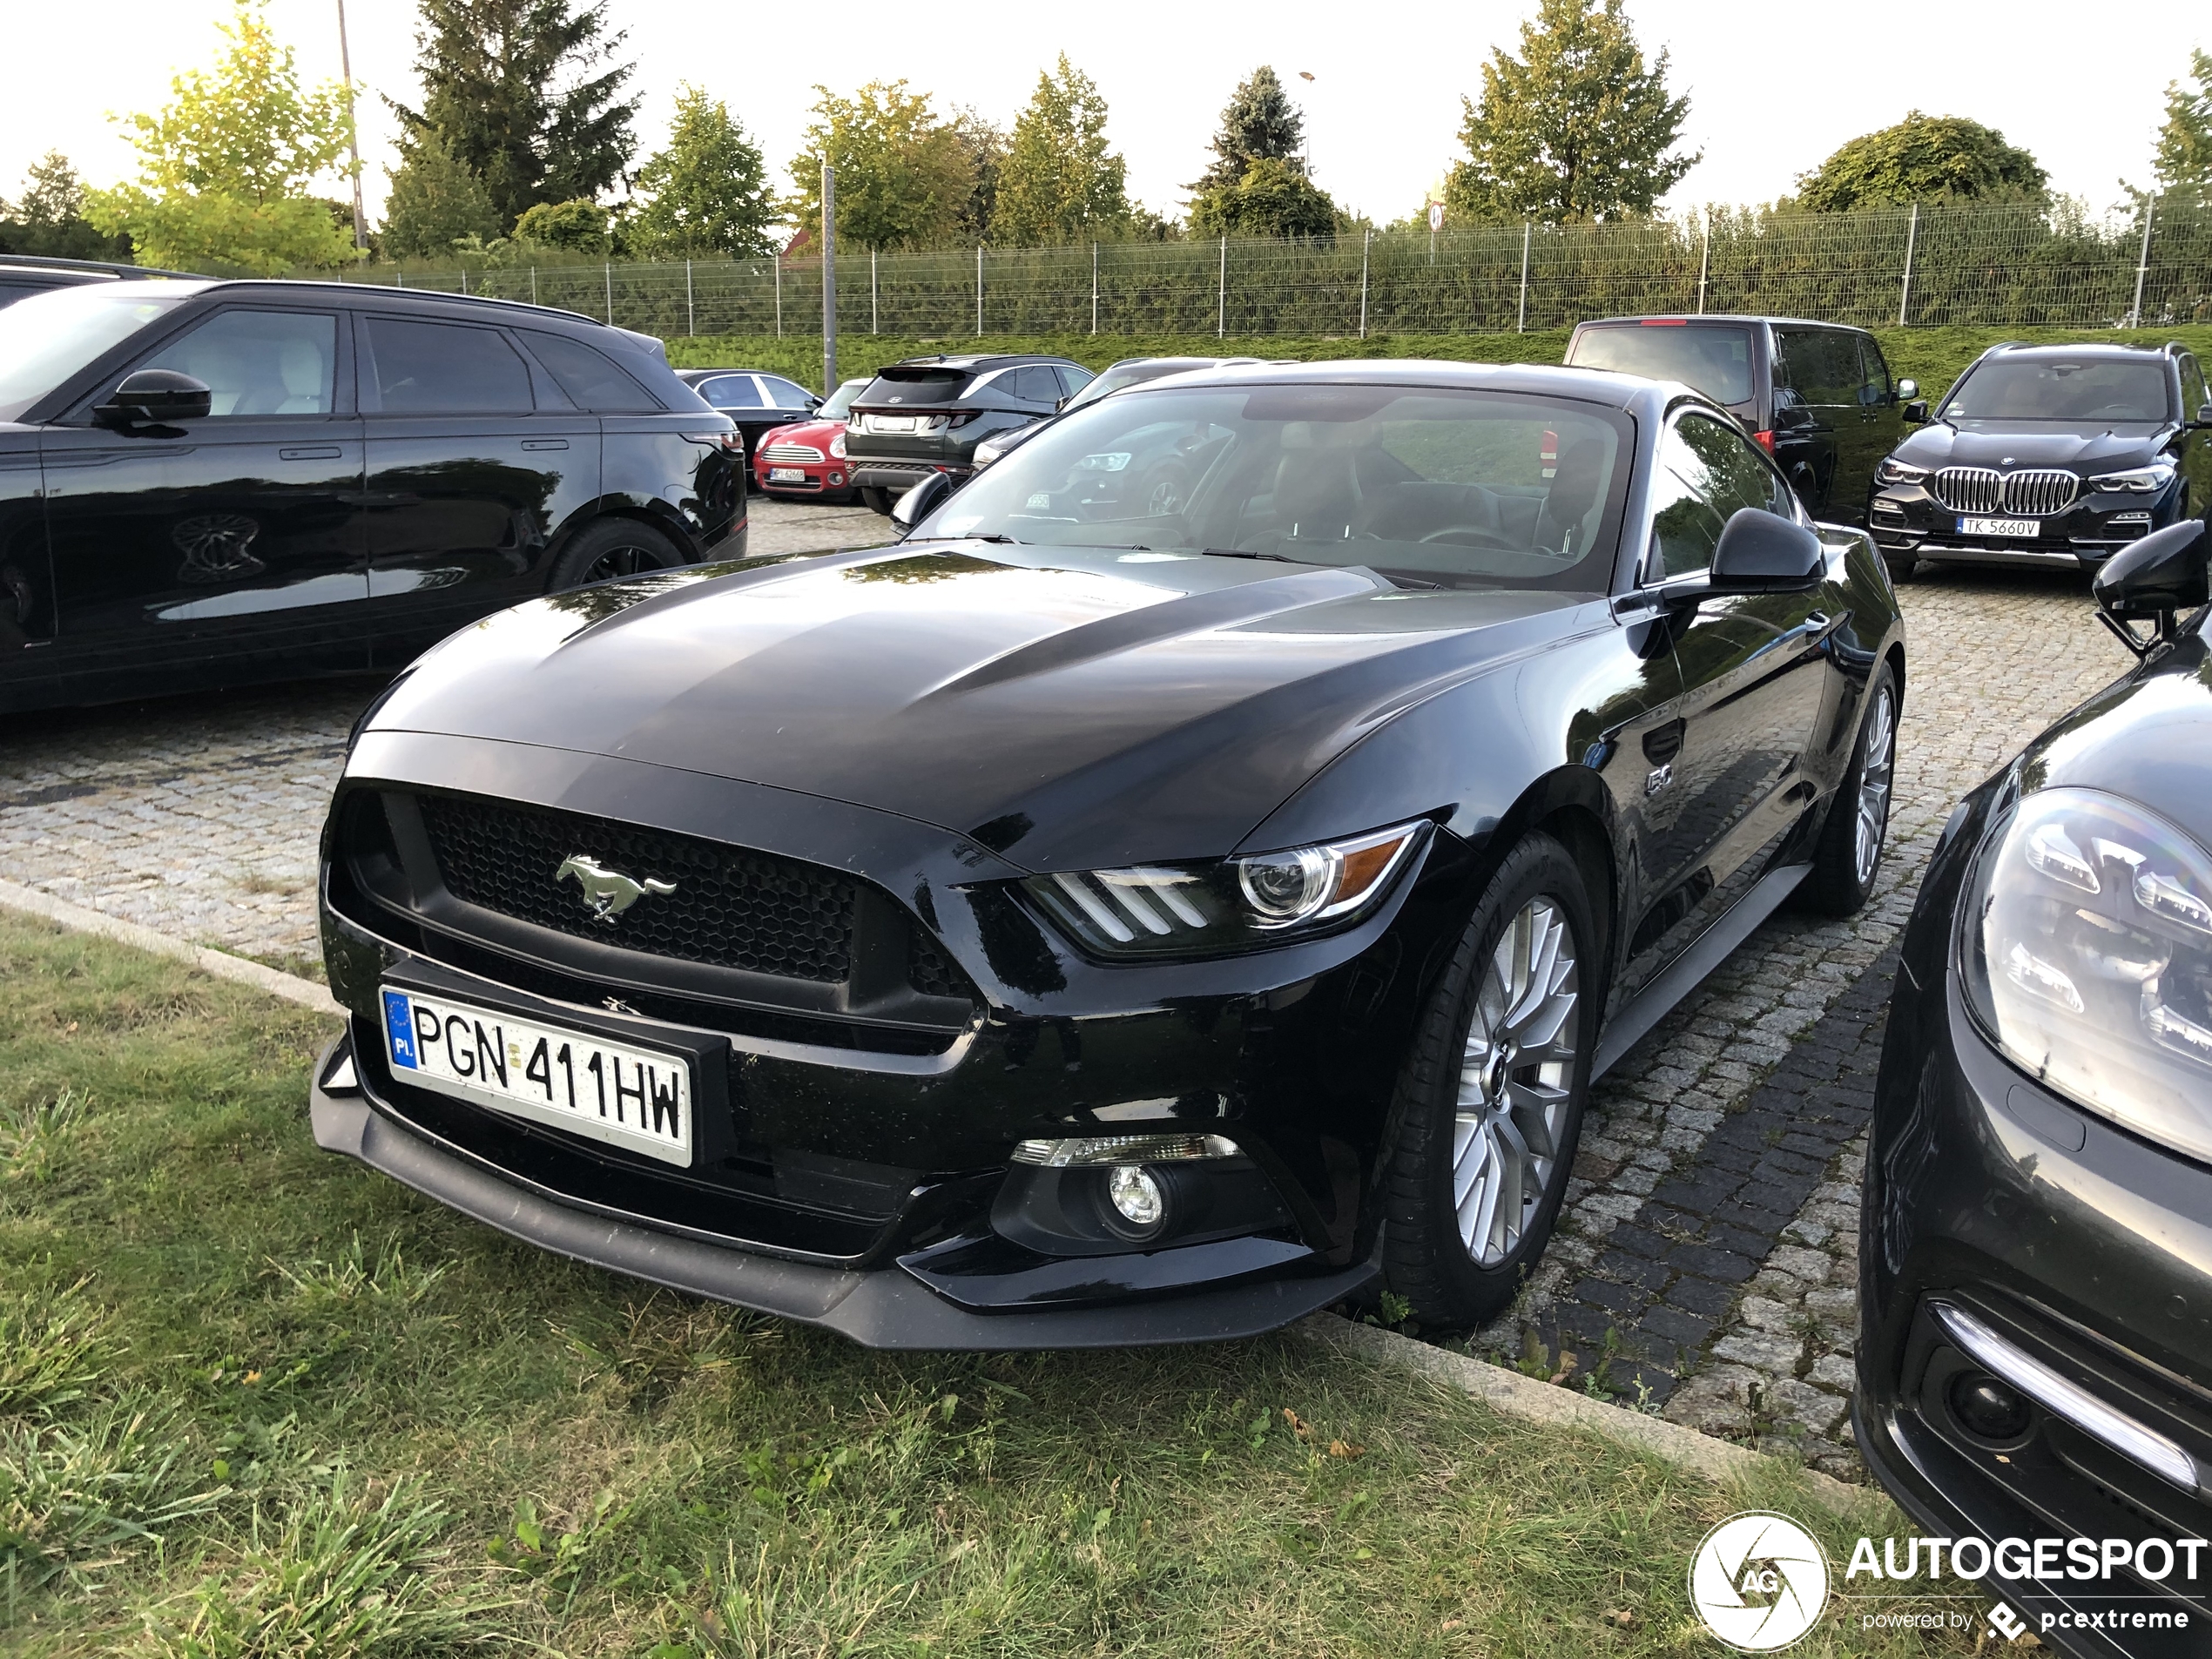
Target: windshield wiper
[(1240, 553)]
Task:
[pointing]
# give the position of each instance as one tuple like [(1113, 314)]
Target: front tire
[(1849, 853), (1489, 1102), (610, 549), (877, 500)]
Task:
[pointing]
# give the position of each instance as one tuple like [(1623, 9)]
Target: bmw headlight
[(2087, 953), (1226, 905), (1892, 471), (2136, 481)]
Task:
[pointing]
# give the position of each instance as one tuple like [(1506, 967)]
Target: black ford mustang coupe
[(2035, 1360), (1075, 927)]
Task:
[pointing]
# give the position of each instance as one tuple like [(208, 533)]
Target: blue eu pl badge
[(399, 1021)]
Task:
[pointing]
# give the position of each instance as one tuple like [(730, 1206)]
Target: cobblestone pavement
[(1712, 1217)]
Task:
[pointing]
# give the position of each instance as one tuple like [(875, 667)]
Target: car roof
[(2107, 349), (701, 374), (1696, 319), (981, 360), (88, 270), (379, 294), (1602, 387)]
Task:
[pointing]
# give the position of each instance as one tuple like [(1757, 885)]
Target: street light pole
[(829, 280), (353, 134)]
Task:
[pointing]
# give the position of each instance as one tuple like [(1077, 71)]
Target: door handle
[(545, 443), (1662, 743), (312, 452)]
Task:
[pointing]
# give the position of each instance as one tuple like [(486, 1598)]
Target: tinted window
[(911, 387), (1874, 389), (446, 368), (1716, 361), (1037, 384), (1706, 474), (2194, 395), (1819, 364), (592, 380), (729, 391), (1072, 378), (259, 362), (2053, 389), (784, 395)]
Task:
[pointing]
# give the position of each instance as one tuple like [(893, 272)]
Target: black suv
[(2049, 454), (207, 483), (927, 414), (1816, 397)]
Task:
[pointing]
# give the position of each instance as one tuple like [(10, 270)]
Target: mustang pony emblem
[(608, 892)]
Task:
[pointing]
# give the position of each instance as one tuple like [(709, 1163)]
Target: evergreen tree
[(47, 221), (2184, 157), (435, 201), (506, 90), (707, 192), (1575, 129), (1258, 124), (1059, 182), (1923, 158), (904, 178), (1273, 199)]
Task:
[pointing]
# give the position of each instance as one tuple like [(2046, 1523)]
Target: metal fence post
[(464, 279), (533, 284), (1911, 240), (1221, 295), (779, 296), (829, 279), (1094, 288), (2142, 265), (1366, 244), (610, 294), (875, 315), (1520, 323), (690, 303), (399, 276), (979, 290), (1704, 260)]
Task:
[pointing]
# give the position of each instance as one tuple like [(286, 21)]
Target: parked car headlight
[(2136, 481), (2087, 951), (1227, 905), (1892, 471), (837, 448), (1106, 461)]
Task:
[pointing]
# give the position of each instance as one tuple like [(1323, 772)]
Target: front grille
[(2035, 493), (789, 451), (730, 908), (930, 971)]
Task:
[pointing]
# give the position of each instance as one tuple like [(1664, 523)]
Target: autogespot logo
[(1759, 1582)]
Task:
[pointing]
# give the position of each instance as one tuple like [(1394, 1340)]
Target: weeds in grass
[(33, 1135), (54, 1345), (73, 1498), (558, 1556), (351, 1277), (664, 1341), (343, 1573)]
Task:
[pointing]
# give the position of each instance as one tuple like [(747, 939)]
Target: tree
[(1273, 199), (986, 147), (578, 226), (707, 192), (434, 202), (224, 170), (904, 178), (1923, 158), (1575, 129), (1060, 183), (506, 90), (1258, 124), (2184, 157), (47, 221)]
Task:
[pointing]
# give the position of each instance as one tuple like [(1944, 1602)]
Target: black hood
[(1069, 709), (2148, 737), (2089, 448)]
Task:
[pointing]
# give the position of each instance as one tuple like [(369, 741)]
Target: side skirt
[(1711, 949)]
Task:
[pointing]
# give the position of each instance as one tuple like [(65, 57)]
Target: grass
[(256, 1401), (1933, 356)]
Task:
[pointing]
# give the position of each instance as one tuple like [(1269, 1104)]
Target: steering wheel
[(1473, 535)]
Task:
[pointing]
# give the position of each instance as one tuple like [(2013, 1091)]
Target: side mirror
[(1915, 412), (812, 403), (2203, 415), (920, 502), (155, 397), (2162, 575), (1907, 390), (1763, 552)]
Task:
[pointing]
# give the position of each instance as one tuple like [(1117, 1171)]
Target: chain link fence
[(2012, 266)]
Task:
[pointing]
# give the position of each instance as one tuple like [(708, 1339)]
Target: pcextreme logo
[(1759, 1582)]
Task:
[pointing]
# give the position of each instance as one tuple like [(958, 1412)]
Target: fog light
[(1988, 1407), (836, 478), (1135, 1195)]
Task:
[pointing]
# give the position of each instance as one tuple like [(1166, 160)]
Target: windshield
[(841, 401), (907, 386), (1460, 488), (1714, 361), (47, 338), (1126, 374), (2053, 389)]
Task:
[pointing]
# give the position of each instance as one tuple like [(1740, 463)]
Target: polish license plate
[(2018, 530), (638, 1099), (787, 475)]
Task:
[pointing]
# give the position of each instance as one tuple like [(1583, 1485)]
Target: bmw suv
[(927, 414), (2048, 455)]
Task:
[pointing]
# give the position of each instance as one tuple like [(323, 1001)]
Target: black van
[(1815, 396)]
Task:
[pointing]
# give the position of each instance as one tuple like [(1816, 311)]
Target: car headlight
[(837, 448), (1106, 461), (2137, 480), (2087, 953), (1225, 905), (987, 452), (1896, 472)]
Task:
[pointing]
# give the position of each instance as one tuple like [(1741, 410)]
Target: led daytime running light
[(1085, 1151)]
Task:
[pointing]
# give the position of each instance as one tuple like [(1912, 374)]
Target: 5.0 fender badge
[(1658, 780), (607, 892)]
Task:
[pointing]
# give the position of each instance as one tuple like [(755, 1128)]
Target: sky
[(1770, 94)]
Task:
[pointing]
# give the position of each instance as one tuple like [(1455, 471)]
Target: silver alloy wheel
[(1515, 1079), (1875, 777)]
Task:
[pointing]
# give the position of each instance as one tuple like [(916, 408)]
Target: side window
[(1821, 364), (1036, 384), (2194, 395), (1874, 375), (727, 391), (260, 362), (446, 368), (592, 380), (784, 395), (1708, 473), (1072, 378)]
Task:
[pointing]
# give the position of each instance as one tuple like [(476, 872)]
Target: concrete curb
[(221, 965), (1532, 1401)]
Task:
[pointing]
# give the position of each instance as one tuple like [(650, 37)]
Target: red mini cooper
[(807, 458)]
